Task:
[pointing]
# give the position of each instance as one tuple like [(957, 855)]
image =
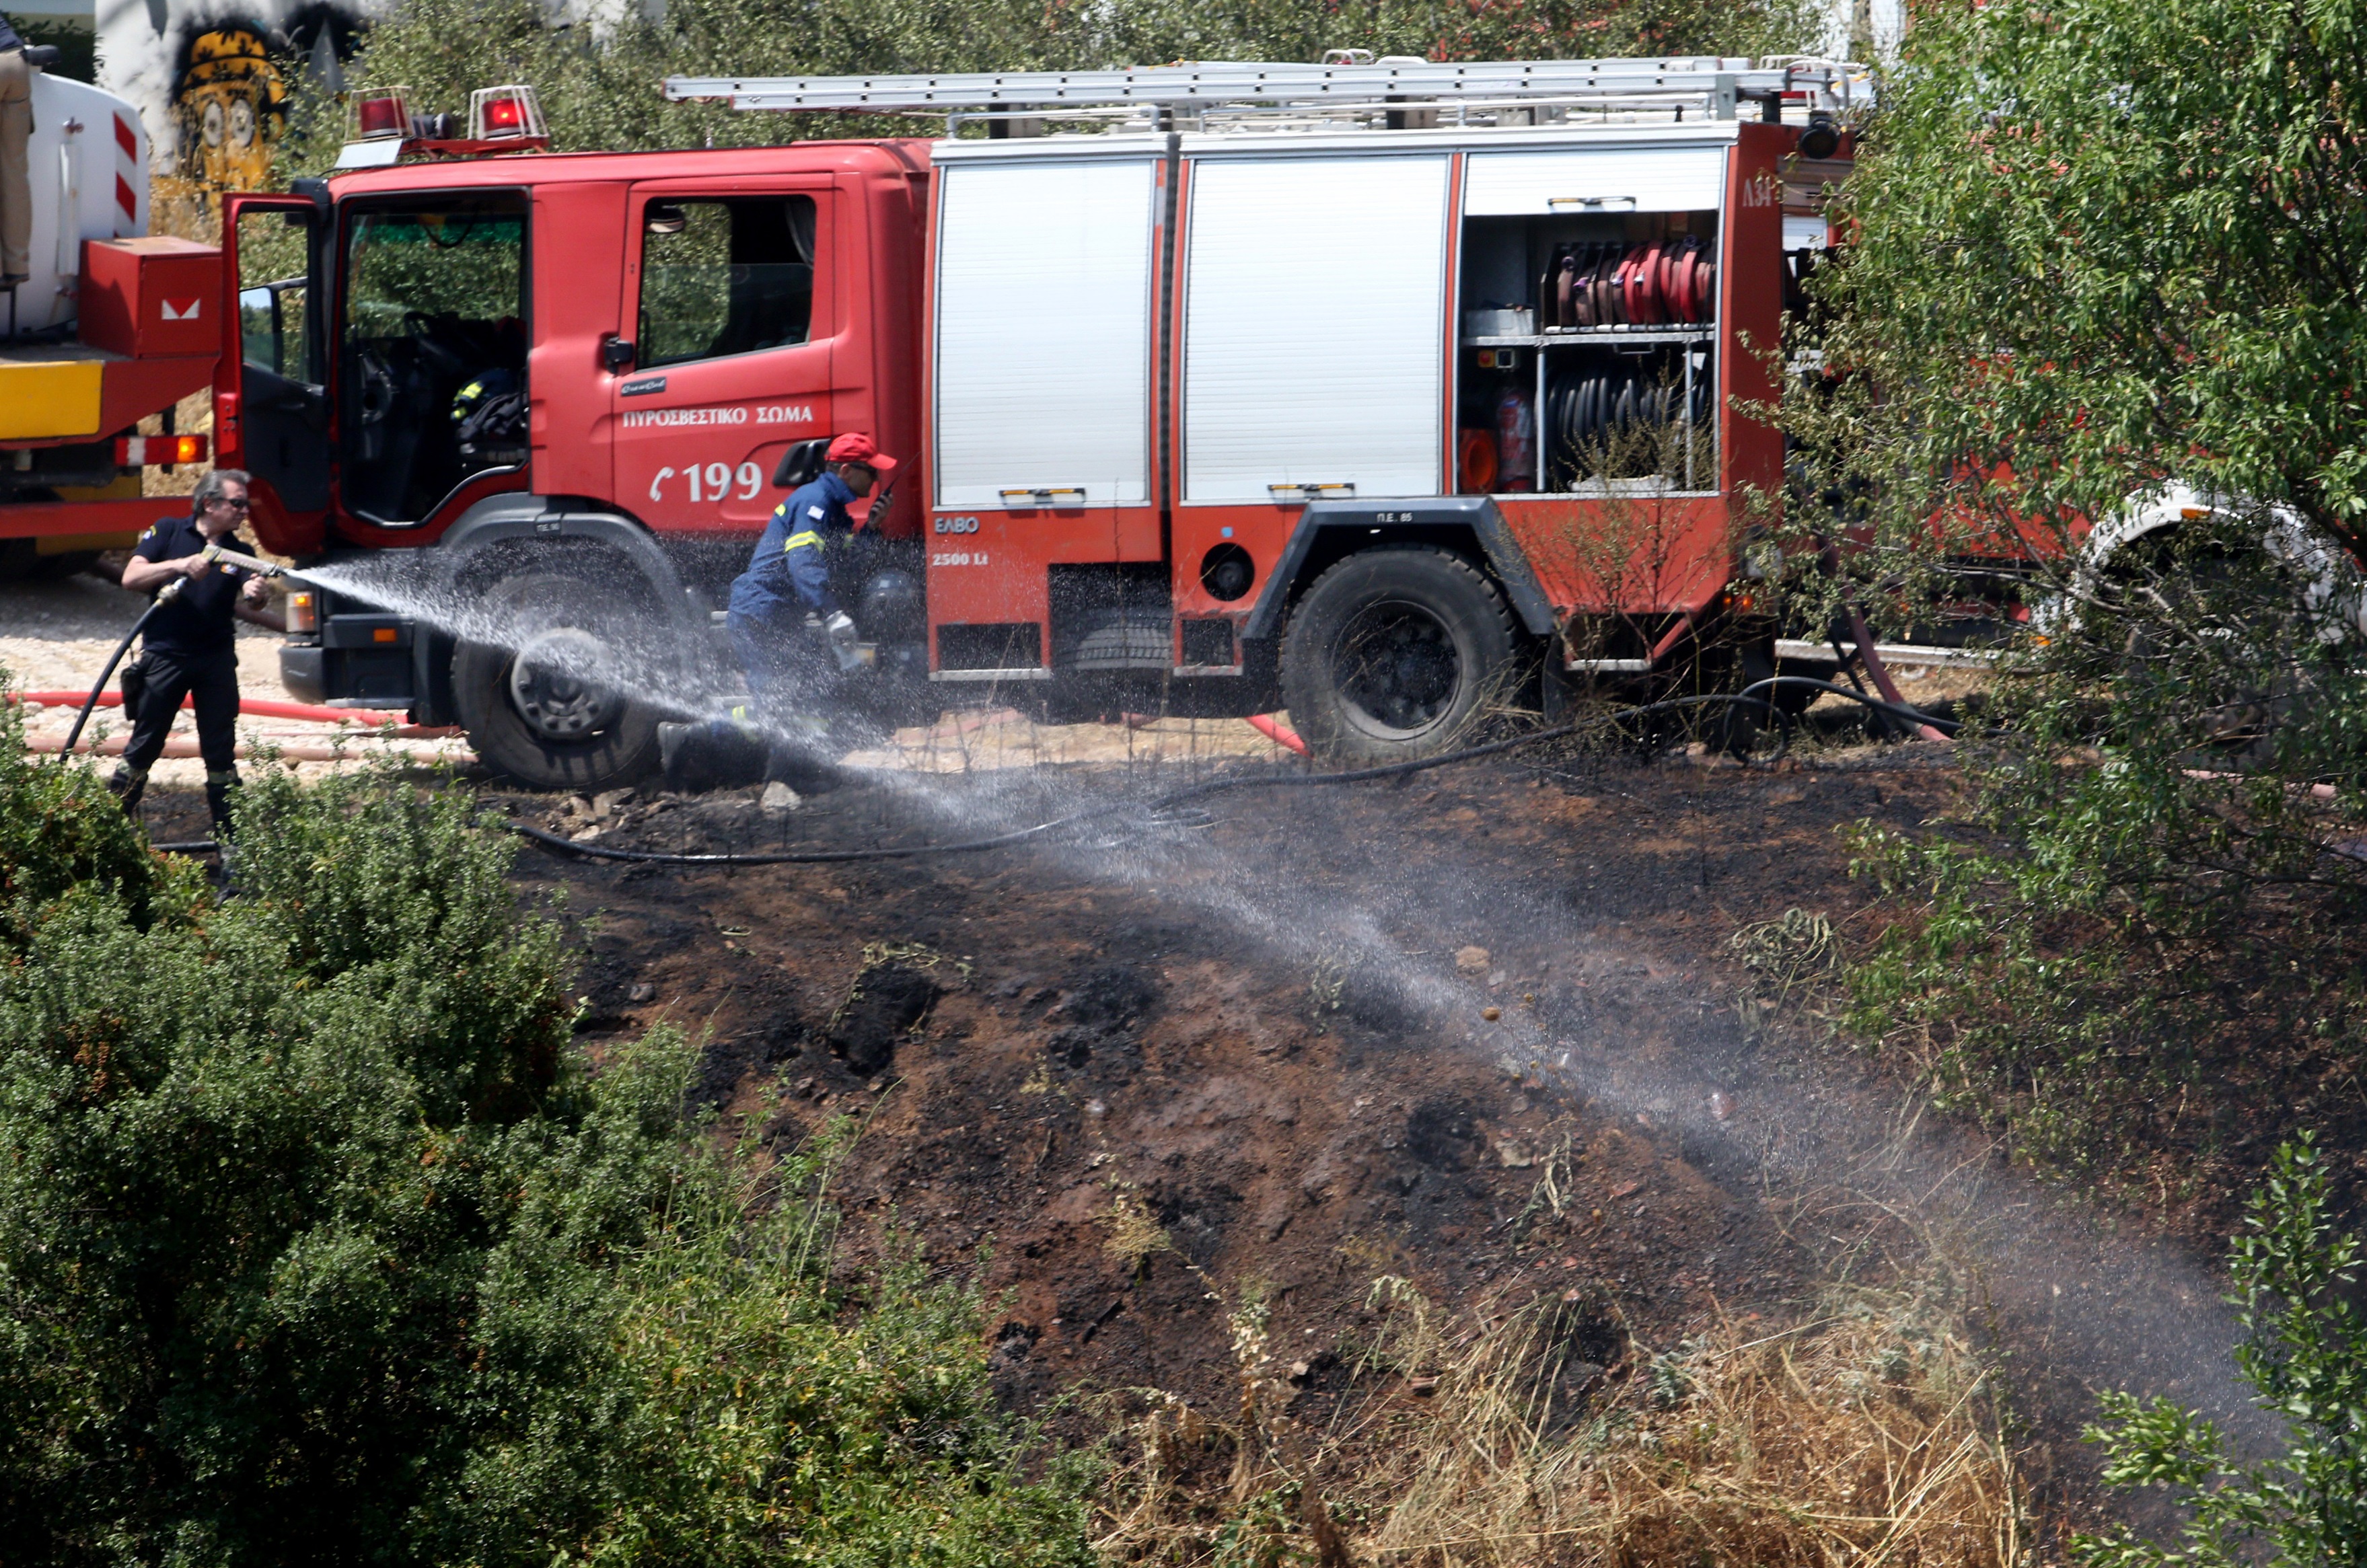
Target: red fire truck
[(1368, 388)]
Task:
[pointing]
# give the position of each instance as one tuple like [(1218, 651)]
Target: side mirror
[(801, 464), (617, 355)]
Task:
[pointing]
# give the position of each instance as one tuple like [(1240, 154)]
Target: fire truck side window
[(433, 354), (271, 328), (724, 276), (271, 262)]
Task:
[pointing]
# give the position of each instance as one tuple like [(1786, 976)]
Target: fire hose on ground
[(1929, 725), (1745, 698)]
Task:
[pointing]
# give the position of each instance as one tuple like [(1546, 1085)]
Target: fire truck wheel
[(540, 709), (1393, 655)]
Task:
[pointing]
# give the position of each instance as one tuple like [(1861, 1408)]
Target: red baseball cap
[(856, 447)]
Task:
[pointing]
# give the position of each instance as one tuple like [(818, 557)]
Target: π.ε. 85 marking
[(713, 482)]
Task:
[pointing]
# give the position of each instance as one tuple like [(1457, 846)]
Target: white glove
[(839, 629)]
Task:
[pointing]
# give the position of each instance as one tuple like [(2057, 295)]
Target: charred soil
[(1482, 1032)]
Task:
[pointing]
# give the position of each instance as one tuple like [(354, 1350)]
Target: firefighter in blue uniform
[(786, 622)]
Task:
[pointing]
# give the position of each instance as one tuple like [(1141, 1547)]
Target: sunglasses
[(234, 502)]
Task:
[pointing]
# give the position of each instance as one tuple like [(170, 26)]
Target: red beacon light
[(506, 114), (379, 113), (381, 130)]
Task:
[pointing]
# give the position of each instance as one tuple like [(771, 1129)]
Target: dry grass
[(1787, 954), (1861, 1436), (1134, 1237)]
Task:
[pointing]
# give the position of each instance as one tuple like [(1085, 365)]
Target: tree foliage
[(320, 1242), (599, 85), (2099, 248), (2304, 1354), (2111, 241)]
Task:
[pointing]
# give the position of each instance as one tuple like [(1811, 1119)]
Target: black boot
[(217, 791), (127, 787)]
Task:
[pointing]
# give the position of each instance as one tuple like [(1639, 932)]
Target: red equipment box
[(152, 297)]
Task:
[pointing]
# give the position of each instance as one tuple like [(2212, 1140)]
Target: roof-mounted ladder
[(1714, 84)]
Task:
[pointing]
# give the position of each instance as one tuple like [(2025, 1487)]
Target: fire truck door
[(729, 287), (271, 398)]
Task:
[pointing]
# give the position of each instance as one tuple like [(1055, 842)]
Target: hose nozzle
[(238, 558)]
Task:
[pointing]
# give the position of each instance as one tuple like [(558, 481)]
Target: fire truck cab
[(1369, 388)]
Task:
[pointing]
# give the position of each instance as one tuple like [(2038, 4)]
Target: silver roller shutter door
[(1314, 326), (1607, 179), (1043, 332)]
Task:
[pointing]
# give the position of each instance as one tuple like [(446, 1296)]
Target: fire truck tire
[(1394, 654), (529, 710)]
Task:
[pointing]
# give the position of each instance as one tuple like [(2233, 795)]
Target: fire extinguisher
[(1516, 441)]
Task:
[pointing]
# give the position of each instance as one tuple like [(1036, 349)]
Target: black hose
[(817, 857), (107, 674), (1176, 797), (1212, 787), (1898, 710)]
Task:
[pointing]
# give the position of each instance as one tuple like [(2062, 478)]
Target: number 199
[(719, 479)]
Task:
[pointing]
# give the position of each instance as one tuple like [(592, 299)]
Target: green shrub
[(320, 1243), (59, 829), (2097, 249), (2304, 1354)]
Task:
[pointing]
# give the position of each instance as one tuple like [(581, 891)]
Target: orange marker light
[(139, 451)]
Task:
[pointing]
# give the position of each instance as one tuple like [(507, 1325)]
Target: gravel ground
[(55, 635)]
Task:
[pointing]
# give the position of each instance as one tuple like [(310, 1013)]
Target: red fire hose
[(251, 707), (1274, 729)]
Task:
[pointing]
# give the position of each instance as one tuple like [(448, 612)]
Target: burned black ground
[(1481, 1031)]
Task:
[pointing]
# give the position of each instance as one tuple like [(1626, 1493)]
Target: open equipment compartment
[(1587, 353), (1588, 321)]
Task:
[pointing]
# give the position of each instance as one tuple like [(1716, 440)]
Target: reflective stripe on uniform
[(799, 540)]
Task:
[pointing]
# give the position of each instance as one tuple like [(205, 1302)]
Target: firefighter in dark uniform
[(188, 649), (784, 598)]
